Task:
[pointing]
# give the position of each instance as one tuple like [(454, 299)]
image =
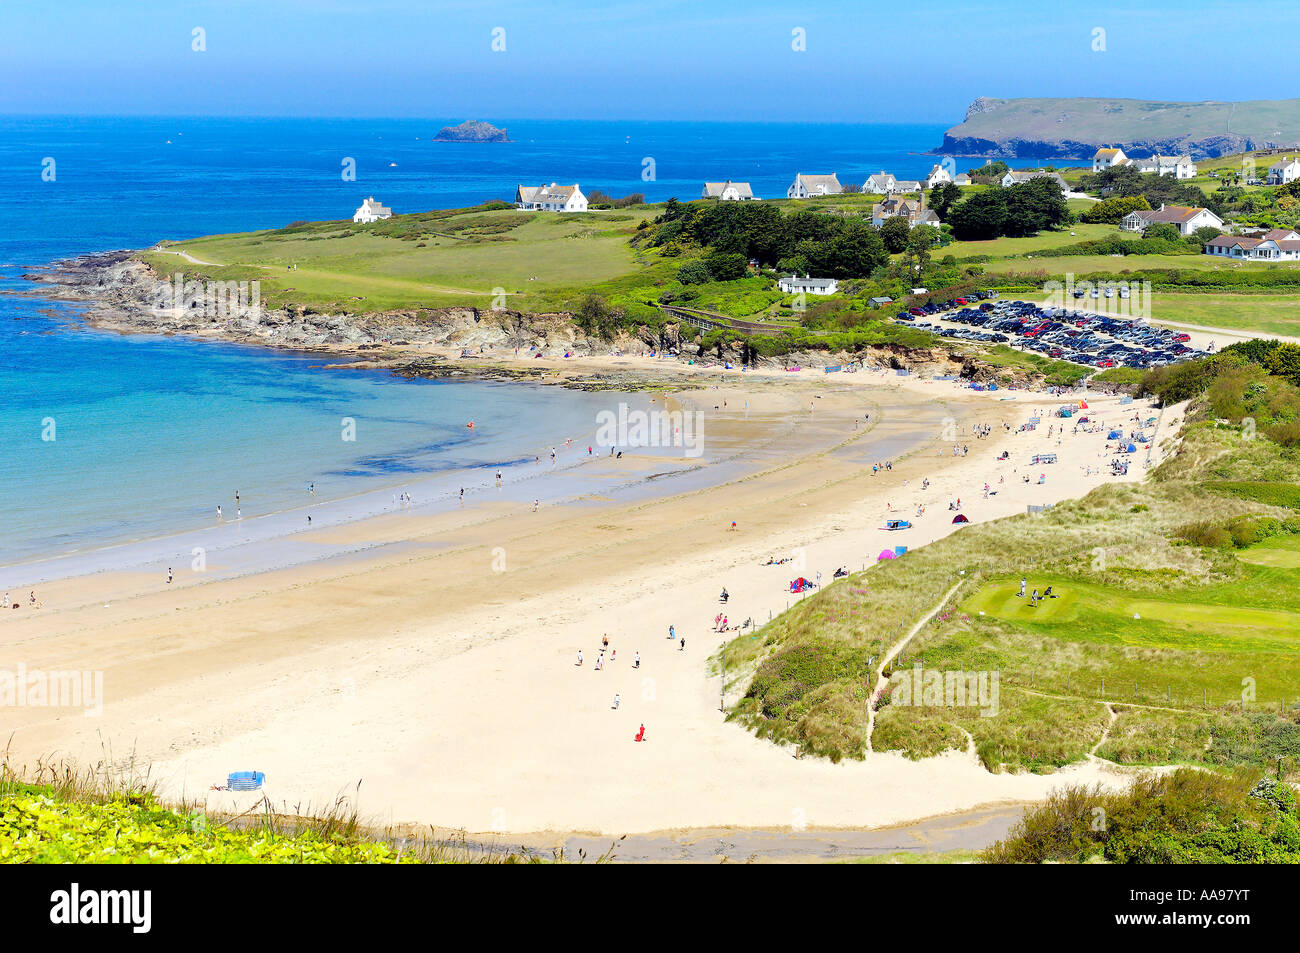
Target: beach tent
[(1131, 448), (1114, 435), (960, 518), (885, 554), (899, 550)]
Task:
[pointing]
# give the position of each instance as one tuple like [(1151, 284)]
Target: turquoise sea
[(107, 438)]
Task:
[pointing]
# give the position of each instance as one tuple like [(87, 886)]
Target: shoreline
[(389, 663)]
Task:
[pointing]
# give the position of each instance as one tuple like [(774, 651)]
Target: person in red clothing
[(640, 735)]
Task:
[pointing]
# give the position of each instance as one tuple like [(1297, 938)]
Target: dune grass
[(1208, 674)]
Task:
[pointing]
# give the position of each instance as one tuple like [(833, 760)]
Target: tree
[(1033, 206), (919, 243), (992, 170), (894, 234), (1112, 210), (980, 217), (1205, 233), (944, 197), (693, 272), (723, 266), (1162, 230), (1285, 362)]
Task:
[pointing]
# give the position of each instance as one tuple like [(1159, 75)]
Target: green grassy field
[(537, 259), (998, 247), (1281, 552), (1265, 314)]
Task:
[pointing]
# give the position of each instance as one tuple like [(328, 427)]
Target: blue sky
[(651, 59)]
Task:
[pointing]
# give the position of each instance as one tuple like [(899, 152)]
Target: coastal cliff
[(1077, 127), (124, 294)]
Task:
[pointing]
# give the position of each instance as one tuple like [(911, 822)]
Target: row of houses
[(1180, 167), (1284, 170)]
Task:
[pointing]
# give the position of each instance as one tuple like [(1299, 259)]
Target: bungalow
[(1231, 246), (728, 191), (793, 284), (880, 301), (1283, 171), (938, 176), (961, 178), (1021, 176), (550, 198), (1280, 244), (1186, 218), (807, 185), (1105, 159), (371, 211), (1180, 167)]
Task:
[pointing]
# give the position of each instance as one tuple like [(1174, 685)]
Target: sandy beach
[(429, 671)]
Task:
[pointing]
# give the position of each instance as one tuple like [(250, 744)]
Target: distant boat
[(392, 165)]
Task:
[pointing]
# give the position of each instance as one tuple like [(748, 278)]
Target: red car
[(916, 311), (960, 301), (1182, 337)]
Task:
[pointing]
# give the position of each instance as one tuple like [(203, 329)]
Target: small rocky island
[(471, 131)]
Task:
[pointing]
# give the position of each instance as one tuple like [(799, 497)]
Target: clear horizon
[(837, 62)]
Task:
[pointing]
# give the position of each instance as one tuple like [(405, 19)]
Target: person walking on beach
[(616, 701), (218, 512), (579, 658), (636, 661), (536, 503), (462, 496), (672, 632), (169, 575), (683, 648)]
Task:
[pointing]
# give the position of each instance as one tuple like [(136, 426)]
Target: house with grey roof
[(371, 211), (550, 198), (806, 186), (728, 191), (793, 284)]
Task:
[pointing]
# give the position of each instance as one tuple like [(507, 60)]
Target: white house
[(371, 211), (1283, 171), (1186, 218), (793, 284), (807, 185), (728, 191), (1180, 167), (1278, 244), (938, 176), (550, 198), (1016, 177), (880, 183), (1105, 159)]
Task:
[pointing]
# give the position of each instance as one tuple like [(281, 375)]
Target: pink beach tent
[(886, 554)]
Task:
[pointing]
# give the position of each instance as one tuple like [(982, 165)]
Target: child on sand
[(580, 656)]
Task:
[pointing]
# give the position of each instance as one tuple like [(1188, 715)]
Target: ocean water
[(107, 438)]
